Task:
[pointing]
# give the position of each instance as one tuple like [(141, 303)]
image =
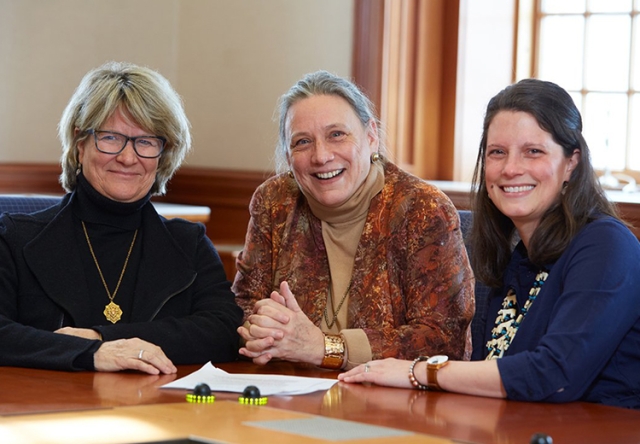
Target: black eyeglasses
[(109, 142)]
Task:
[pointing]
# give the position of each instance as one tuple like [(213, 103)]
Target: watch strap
[(432, 375)]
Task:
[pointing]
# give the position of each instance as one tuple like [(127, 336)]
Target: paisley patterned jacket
[(412, 286)]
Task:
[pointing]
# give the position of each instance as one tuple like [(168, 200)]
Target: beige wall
[(229, 59)]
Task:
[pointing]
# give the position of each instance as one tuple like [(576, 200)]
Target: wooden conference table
[(35, 405)]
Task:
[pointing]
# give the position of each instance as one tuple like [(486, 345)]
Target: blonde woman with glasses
[(101, 281)]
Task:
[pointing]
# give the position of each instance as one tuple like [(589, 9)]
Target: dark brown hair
[(492, 234)]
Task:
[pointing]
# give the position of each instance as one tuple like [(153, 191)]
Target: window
[(431, 67), (592, 49)]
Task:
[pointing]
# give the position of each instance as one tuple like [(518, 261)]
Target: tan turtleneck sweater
[(341, 230)]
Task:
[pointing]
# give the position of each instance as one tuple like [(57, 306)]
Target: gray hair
[(144, 94), (322, 83)]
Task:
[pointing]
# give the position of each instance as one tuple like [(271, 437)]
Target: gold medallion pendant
[(112, 312)]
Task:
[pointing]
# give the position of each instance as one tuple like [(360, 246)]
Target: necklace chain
[(112, 311), (506, 325), (337, 310)]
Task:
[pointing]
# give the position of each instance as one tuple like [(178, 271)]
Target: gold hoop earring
[(290, 174), (375, 157)]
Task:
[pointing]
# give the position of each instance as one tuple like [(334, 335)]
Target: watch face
[(438, 359)]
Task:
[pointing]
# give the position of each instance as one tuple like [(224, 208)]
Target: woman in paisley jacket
[(347, 257)]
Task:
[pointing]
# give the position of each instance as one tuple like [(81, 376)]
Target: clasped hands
[(278, 328), (125, 354)]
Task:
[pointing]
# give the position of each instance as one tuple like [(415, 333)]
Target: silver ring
[(366, 368), (140, 354)]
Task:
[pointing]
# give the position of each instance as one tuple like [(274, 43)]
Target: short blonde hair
[(141, 92)]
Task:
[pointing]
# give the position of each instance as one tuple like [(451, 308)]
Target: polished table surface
[(443, 415)]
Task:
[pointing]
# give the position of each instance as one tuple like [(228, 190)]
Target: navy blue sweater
[(581, 337)]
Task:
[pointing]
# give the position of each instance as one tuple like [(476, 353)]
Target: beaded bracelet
[(412, 375)]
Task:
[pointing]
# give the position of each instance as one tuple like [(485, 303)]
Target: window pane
[(634, 131), (636, 54), (553, 6), (556, 63), (605, 129), (610, 5), (577, 99), (607, 52)]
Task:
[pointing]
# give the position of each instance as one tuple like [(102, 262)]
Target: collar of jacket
[(54, 259)]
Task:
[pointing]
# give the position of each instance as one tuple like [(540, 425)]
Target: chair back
[(16, 203), (481, 291)]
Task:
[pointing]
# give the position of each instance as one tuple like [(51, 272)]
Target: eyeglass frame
[(127, 139)]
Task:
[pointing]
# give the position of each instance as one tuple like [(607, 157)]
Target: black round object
[(541, 438), (202, 389), (251, 392)]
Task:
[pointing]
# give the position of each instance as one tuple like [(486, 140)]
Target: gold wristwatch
[(435, 363)]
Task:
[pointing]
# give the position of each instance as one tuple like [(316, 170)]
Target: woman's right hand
[(132, 354), (389, 372), (280, 329)]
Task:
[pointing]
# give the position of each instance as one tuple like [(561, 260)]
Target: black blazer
[(183, 302)]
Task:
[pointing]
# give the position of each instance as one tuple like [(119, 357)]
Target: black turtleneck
[(111, 226)]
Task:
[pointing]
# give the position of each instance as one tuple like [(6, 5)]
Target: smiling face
[(524, 169), (329, 149), (122, 177)]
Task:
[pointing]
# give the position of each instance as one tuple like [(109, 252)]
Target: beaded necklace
[(506, 325)]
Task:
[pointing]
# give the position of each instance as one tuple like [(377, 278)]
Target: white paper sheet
[(220, 381)]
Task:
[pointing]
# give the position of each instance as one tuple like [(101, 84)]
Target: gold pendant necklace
[(337, 310), (112, 311)]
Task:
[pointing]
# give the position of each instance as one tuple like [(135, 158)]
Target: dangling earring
[(290, 174), (375, 157), (565, 184), (78, 169)]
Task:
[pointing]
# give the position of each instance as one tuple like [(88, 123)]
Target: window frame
[(530, 17), (405, 59)]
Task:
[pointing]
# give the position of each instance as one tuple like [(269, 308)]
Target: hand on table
[(132, 354), (389, 372), (279, 329), (124, 354)]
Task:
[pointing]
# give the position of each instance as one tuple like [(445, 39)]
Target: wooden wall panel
[(30, 178), (226, 192)]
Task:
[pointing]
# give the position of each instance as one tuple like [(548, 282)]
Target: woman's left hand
[(280, 329), (86, 333), (390, 372)]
